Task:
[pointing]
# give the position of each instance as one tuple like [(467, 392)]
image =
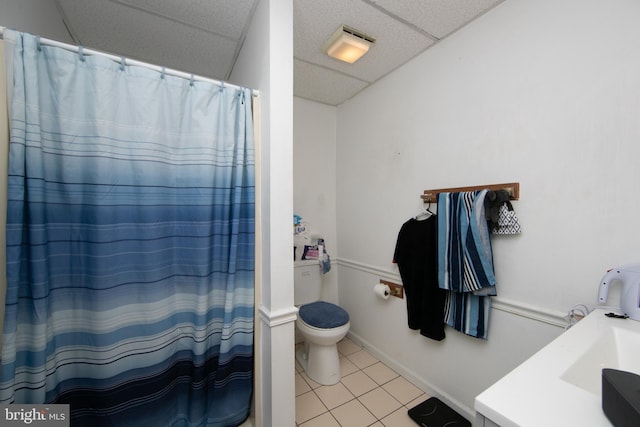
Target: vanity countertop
[(560, 384)]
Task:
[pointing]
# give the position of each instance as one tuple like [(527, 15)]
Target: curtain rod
[(128, 61)]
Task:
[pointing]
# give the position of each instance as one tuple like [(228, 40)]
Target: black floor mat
[(434, 413)]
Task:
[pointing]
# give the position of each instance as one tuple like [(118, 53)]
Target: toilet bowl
[(322, 325)]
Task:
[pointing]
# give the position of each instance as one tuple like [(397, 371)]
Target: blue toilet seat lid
[(323, 315)]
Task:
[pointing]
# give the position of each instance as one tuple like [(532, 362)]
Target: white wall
[(266, 63), (546, 93), (314, 171)]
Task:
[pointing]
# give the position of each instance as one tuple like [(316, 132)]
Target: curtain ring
[(162, 73), (81, 53), (123, 62), (192, 81), (38, 44)]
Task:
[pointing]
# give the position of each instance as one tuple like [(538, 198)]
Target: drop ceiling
[(204, 37)]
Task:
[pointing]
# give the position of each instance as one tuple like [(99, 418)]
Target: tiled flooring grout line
[(355, 397), (380, 383)]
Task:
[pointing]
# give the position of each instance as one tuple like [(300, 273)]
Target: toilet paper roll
[(382, 291)]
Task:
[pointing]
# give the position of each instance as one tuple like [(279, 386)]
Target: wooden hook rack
[(513, 188)]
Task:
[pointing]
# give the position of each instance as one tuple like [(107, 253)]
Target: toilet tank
[(307, 282)]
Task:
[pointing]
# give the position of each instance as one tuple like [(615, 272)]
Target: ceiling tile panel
[(315, 21), (203, 36), (323, 85), (437, 17), (113, 28), (222, 17)]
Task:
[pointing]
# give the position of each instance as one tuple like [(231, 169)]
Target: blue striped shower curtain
[(130, 242)]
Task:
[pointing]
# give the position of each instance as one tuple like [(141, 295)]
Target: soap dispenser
[(629, 277)]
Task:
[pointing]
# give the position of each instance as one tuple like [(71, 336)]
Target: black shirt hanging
[(416, 254)]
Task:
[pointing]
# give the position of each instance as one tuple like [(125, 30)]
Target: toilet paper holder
[(395, 289)]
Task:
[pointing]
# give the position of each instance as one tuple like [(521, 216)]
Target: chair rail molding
[(278, 317), (516, 308)]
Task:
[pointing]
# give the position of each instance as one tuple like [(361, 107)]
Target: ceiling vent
[(348, 44)]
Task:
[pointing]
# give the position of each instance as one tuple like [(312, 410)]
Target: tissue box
[(621, 397)]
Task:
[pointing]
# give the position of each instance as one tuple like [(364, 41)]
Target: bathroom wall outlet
[(396, 289)]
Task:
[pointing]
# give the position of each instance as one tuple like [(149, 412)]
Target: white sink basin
[(561, 384), (615, 348)]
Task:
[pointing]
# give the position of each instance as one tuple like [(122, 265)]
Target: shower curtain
[(130, 242)]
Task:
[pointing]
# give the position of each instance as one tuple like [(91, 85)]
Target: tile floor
[(369, 394)]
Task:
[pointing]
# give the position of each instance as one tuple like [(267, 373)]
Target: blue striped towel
[(465, 261)]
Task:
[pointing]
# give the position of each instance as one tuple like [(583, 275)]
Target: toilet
[(321, 323)]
